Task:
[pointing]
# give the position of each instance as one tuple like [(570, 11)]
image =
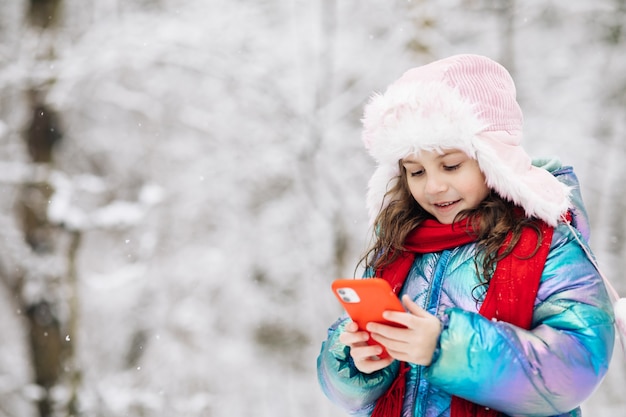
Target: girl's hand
[(364, 356), (417, 342)]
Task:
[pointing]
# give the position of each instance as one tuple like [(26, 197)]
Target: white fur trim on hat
[(464, 102)]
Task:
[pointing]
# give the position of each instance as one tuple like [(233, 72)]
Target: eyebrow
[(409, 162)]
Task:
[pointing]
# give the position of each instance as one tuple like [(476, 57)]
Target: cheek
[(479, 189), (417, 192)]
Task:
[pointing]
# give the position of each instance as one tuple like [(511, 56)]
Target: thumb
[(413, 308)]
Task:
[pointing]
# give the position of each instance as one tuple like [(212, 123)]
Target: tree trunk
[(48, 335), (43, 13)]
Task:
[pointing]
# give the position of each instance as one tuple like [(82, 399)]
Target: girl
[(506, 315)]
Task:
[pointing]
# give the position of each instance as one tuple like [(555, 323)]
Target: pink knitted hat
[(464, 102)]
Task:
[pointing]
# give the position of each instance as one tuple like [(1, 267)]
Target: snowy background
[(172, 256)]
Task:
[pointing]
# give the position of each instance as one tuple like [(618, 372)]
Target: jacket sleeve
[(548, 370), (343, 383)]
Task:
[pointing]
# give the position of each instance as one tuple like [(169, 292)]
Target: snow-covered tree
[(207, 181)]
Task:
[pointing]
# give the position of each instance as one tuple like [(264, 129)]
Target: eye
[(451, 167), (416, 173)]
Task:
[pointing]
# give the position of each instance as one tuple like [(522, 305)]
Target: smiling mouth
[(449, 203)]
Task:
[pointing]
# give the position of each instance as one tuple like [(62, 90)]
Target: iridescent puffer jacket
[(547, 371)]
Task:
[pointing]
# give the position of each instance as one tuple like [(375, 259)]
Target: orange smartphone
[(365, 300)]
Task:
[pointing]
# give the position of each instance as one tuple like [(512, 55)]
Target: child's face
[(445, 184)]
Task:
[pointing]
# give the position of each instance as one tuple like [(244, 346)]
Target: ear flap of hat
[(509, 171)]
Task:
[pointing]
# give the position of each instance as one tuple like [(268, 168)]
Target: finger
[(351, 326), (384, 332), (404, 319), (353, 338), (372, 365), (413, 307), (392, 341), (366, 358), (366, 352)]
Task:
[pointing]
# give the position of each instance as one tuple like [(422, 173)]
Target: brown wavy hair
[(490, 222)]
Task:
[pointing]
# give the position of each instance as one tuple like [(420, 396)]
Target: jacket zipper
[(430, 305)]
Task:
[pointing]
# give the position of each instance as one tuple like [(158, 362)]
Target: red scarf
[(510, 296)]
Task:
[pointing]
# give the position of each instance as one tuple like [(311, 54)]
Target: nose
[(435, 184)]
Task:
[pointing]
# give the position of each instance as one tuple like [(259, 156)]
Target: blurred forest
[(180, 181)]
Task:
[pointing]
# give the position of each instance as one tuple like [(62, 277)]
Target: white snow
[(213, 166)]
